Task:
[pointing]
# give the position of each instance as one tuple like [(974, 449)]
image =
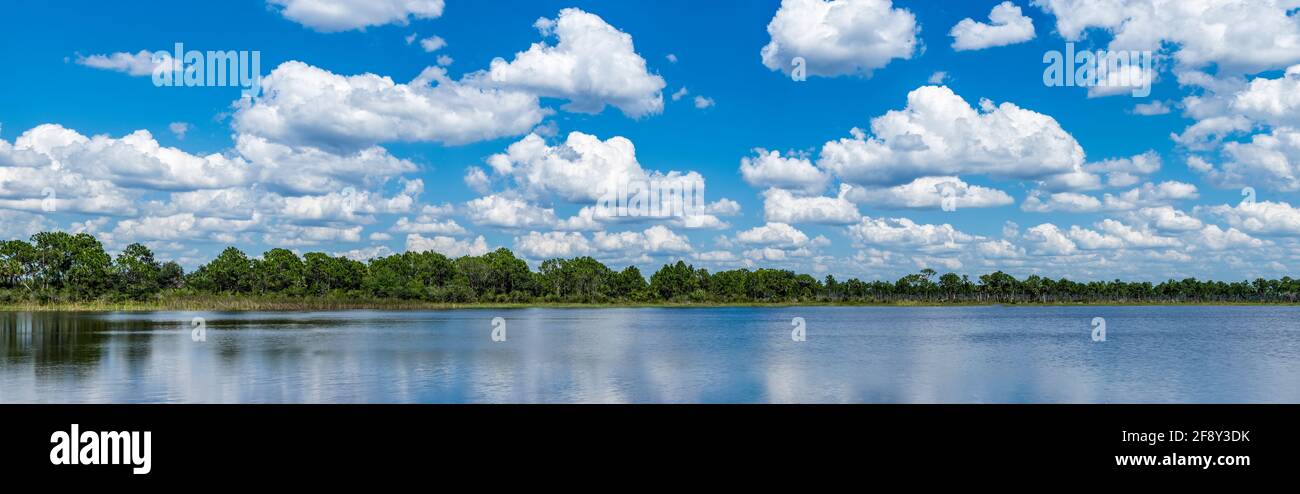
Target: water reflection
[(52, 340), (876, 355)]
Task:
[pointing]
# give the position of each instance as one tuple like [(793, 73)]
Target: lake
[(657, 355)]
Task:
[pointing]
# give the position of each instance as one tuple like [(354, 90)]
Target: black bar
[(483, 441)]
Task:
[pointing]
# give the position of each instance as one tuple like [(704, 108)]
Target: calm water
[(874, 355)]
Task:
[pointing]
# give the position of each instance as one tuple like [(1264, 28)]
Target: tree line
[(61, 267)]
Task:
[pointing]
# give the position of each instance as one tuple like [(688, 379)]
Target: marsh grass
[(236, 303)]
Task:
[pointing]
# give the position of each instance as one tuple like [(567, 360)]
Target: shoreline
[(237, 304)]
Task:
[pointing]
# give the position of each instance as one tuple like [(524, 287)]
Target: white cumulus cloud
[(345, 15), (447, 246), (309, 106), (1008, 26), (930, 192), (782, 206), (839, 37), (1240, 36), (793, 172), (938, 134), (592, 64)]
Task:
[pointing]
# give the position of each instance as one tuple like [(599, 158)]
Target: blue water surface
[(658, 355)]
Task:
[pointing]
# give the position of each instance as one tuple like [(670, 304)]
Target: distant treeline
[(60, 267)]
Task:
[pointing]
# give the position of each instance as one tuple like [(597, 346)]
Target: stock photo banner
[(537, 238)]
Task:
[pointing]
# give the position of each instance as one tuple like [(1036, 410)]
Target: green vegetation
[(57, 269)]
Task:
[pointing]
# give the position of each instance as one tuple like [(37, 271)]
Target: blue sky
[(273, 171)]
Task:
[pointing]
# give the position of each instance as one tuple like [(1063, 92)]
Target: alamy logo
[(1098, 329), (654, 198), (498, 329), (214, 68), (1122, 69), (102, 448)]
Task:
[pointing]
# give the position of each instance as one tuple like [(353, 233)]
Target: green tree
[(279, 270), (90, 276), (323, 274), (54, 257), (581, 278), (730, 286), (137, 273), (674, 281), (18, 264), (832, 287), (476, 273), (950, 284), (74, 264), (171, 275), (57, 266), (772, 285), (628, 284), (394, 276), (431, 268), (230, 272), (508, 273)]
